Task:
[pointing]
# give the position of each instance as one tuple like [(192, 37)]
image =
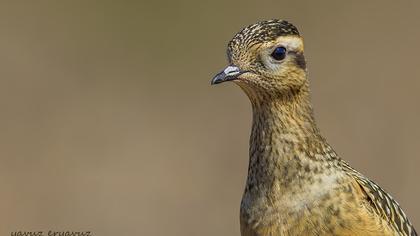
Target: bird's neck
[(283, 129), (288, 114)]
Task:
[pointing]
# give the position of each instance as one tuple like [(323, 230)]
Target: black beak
[(228, 74)]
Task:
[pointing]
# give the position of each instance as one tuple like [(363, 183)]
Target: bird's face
[(266, 57)]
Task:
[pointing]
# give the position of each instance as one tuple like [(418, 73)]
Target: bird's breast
[(287, 207)]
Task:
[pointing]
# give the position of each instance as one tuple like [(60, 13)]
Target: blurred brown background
[(109, 124)]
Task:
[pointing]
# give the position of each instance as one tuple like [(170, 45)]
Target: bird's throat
[(281, 130)]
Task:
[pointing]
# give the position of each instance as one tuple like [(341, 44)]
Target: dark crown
[(264, 31)]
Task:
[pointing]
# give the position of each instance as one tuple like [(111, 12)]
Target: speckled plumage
[(297, 185)]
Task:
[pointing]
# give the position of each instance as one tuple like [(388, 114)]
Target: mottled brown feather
[(297, 184)]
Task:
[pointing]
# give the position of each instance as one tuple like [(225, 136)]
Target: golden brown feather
[(296, 183)]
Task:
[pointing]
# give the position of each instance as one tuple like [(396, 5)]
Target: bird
[(296, 182)]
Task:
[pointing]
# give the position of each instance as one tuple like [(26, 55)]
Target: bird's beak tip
[(217, 79), (228, 74)]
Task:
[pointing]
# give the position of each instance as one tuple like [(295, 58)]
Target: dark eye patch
[(299, 59)]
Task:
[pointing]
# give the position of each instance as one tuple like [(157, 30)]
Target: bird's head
[(266, 58)]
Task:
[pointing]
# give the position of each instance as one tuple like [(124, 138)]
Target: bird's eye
[(279, 53)]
